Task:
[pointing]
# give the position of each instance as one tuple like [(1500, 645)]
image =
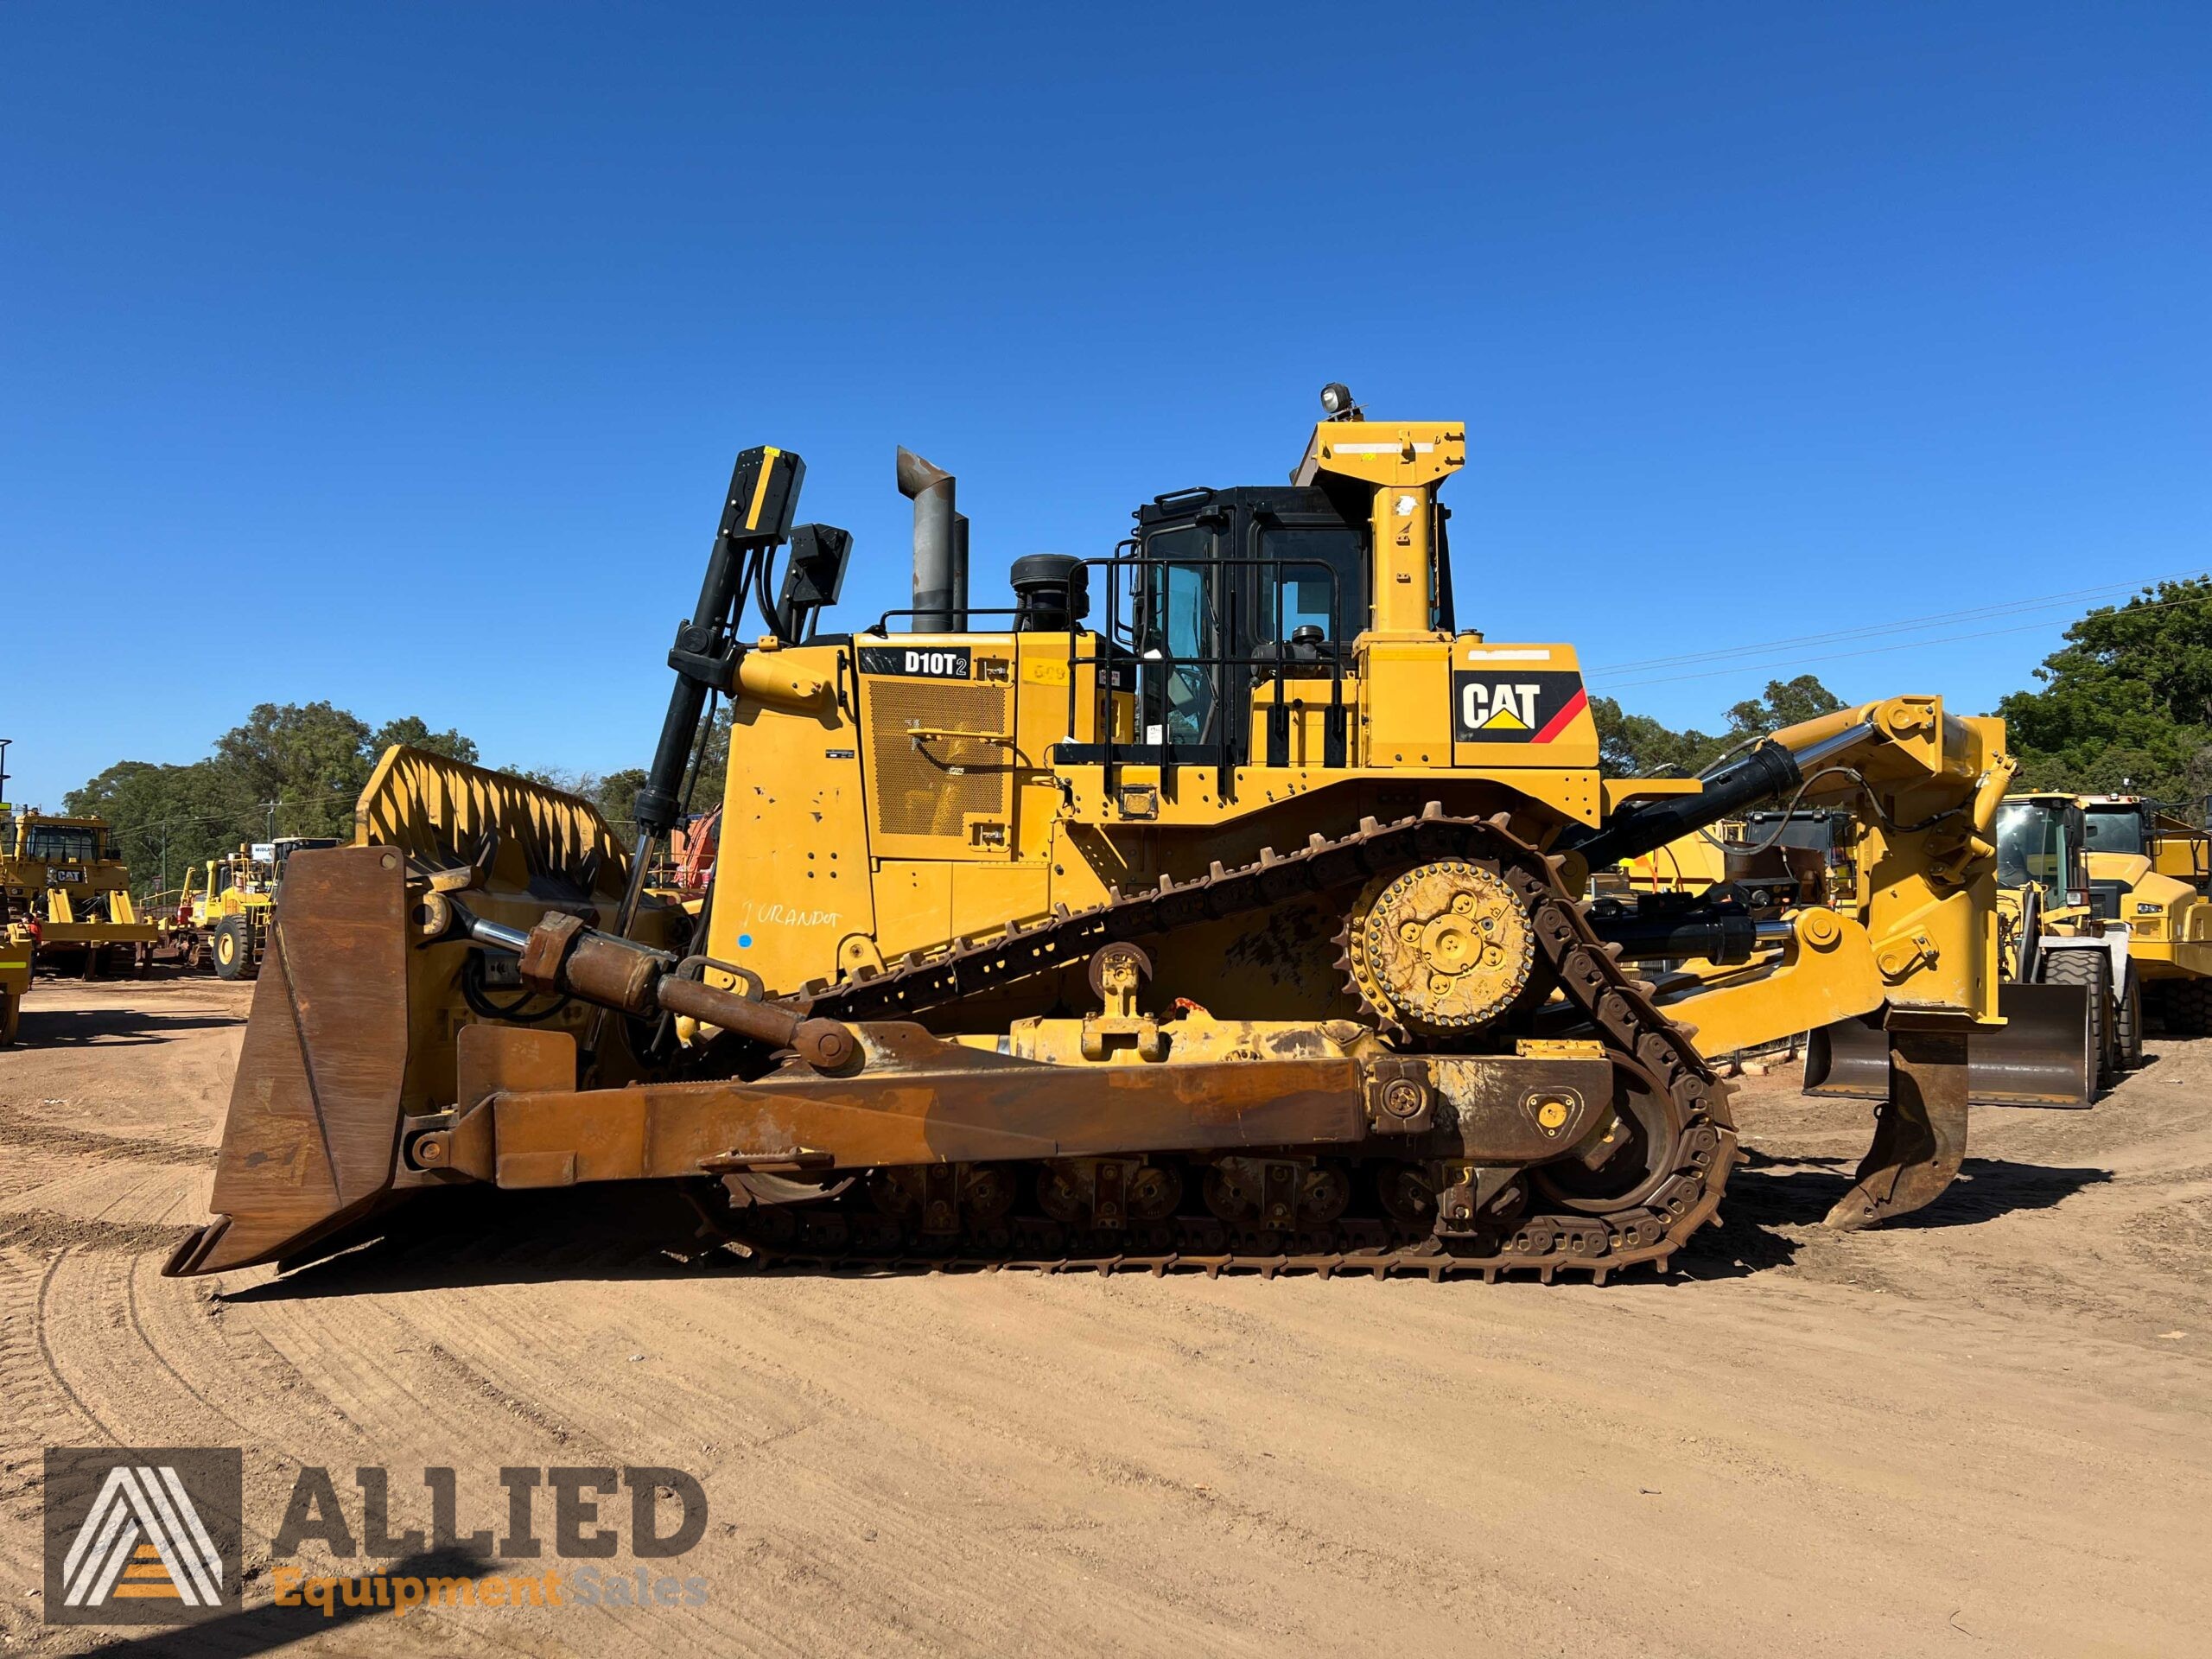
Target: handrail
[(1334, 745)]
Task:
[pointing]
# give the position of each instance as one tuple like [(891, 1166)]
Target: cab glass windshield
[(2114, 829), (2031, 845), (56, 844)]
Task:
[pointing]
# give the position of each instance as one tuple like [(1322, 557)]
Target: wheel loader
[(2072, 996), (229, 917), (1214, 903)]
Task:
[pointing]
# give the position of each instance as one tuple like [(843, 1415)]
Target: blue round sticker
[(745, 941)]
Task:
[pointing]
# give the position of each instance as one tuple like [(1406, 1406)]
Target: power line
[(2010, 608), (244, 817), (1874, 651)]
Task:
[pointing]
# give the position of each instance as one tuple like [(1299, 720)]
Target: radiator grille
[(927, 790)]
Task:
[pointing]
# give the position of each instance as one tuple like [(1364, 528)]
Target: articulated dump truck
[(1221, 906)]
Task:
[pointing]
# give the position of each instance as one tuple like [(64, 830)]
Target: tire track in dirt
[(63, 1143), (1974, 1413)]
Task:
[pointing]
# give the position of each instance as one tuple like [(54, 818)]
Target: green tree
[(1784, 702), (1636, 746), (615, 795), (306, 762), (415, 733), (296, 768), (169, 819), (2126, 703)]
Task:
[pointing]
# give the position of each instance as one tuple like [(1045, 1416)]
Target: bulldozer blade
[(2042, 1055), (1920, 1131), (310, 1140)]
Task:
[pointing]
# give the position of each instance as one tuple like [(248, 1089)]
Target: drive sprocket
[(1442, 948)]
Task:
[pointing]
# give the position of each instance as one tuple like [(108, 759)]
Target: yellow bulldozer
[(62, 881), (1219, 904), (18, 955)]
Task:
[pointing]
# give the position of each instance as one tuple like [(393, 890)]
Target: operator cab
[(1222, 588), (62, 843), (2040, 842), (1220, 592)]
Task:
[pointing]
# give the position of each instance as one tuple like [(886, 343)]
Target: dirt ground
[(1983, 1430)]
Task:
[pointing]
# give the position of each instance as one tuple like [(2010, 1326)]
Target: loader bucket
[(310, 1140), (2042, 1055)]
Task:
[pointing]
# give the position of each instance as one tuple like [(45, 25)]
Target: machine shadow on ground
[(81, 1027), (265, 1627), (444, 1241), (1768, 1194)]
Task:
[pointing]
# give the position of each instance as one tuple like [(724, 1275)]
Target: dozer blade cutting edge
[(2042, 1055)]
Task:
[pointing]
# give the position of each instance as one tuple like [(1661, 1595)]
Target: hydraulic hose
[(1731, 784)]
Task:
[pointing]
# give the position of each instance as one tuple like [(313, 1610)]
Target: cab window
[(2118, 831), (2031, 846), (55, 843), (1317, 579), (1181, 628)]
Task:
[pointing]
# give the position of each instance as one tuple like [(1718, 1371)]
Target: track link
[(846, 1232)]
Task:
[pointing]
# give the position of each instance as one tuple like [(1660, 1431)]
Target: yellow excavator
[(1219, 904)]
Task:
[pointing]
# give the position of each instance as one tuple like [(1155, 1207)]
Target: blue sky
[(396, 354)]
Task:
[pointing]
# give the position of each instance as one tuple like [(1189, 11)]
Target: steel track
[(849, 1232)]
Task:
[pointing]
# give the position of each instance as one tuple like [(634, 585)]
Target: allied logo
[(141, 1535)]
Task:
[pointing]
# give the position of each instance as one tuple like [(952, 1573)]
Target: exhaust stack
[(940, 567), (960, 571)]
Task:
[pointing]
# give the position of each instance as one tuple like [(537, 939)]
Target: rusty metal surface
[(1501, 1110), (942, 1115), (944, 1110), (314, 1118), (561, 955), (2042, 1055)]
